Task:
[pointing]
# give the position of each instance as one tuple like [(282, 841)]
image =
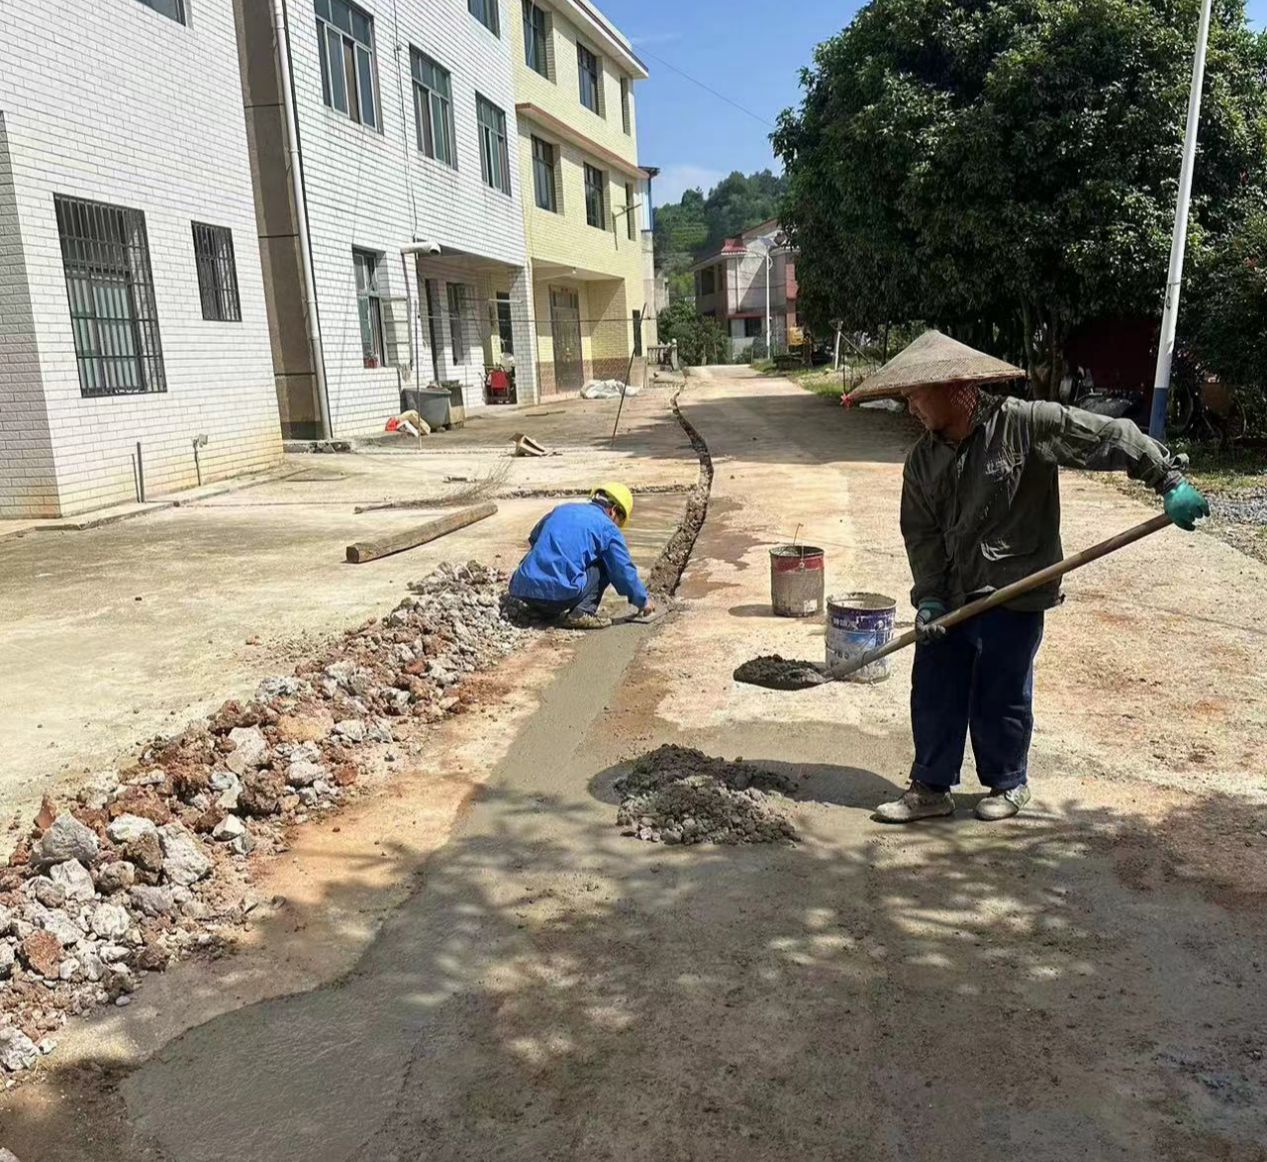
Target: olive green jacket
[(978, 515)]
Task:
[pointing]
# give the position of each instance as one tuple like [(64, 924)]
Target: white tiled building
[(405, 112), (126, 201)]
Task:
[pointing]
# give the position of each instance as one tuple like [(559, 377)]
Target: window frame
[(110, 297), (626, 105), (424, 93), (595, 189), (592, 73), (709, 273), (455, 299), (217, 268), (489, 14), (494, 164), (355, 82), (505, 322), (536, 38), (748, 332), (369, 293), (538, 164), (181, 15)]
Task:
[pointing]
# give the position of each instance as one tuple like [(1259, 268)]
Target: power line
[(707, 88)]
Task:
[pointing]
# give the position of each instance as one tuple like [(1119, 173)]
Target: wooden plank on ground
[(363, 551)]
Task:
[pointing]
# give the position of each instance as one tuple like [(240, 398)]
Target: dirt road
[(1083, 983)]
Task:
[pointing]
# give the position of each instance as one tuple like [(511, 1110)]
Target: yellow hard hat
[(622, 497)]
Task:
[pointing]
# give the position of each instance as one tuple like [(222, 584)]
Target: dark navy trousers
[(978, 680), (591, 596)]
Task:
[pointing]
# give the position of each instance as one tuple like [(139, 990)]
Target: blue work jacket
[(565, 543)]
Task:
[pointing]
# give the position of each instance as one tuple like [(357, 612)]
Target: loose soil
[(668, 570), (779, 673), (677, 794)]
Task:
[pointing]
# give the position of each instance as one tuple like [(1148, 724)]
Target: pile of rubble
[(680, 795), (152, 864)]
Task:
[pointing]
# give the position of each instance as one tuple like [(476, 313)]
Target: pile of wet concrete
[(679, 795), (153, 862)]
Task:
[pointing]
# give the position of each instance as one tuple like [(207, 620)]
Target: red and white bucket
[(797, 580)]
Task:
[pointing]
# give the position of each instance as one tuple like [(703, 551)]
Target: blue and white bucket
[(856, 623)]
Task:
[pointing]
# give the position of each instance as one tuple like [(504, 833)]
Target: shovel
[(780, 674)]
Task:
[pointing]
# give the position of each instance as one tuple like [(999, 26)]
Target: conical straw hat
[(932, 358)]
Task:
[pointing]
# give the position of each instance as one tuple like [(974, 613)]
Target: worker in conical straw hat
[(981, 509), (576, 551)]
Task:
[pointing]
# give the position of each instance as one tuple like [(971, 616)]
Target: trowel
[(776, 673)]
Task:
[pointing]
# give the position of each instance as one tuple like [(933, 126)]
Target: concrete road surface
[(1085, 982)]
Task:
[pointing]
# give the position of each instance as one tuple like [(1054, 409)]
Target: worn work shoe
[(919, 802), (1002, 804), (585, 621)]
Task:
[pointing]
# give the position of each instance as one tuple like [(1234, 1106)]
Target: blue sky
[(749, 50)]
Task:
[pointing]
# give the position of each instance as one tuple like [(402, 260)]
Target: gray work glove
[(930, 609)]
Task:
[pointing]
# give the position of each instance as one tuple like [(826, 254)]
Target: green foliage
[(700, 341), (1006, 169), (696, 224), (1228, 331)]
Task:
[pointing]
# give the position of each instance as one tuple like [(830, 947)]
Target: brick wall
[(109, 101)]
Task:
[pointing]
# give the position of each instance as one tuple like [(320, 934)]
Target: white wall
[(359, 182), (108, 100)]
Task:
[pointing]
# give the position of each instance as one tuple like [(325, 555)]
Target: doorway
[(565, 327)]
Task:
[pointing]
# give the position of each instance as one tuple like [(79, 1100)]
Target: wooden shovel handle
[(1016, 589)]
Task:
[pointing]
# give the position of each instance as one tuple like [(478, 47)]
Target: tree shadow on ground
[(556, 991)]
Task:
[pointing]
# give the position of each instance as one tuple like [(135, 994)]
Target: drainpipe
[(282, 37)]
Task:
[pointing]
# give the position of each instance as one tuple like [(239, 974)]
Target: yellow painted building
[(587, 222)]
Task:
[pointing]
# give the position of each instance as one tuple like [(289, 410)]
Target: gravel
[(152, 865), (678, 795)]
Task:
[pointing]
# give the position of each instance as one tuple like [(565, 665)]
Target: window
[(626, 117), (595, 197), (505, 328), (457, 308), (536, 41), (433, 108), (753, 328), (590, 72), (544, 175), (106, 258), (485, 11), (708, 281), (494, 148), (631, 212), (637, 325), (217, 273), (175, 9), (346, 45), (369, 304)]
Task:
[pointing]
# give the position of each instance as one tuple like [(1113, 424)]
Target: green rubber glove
[(1184, 505), (930, 609)]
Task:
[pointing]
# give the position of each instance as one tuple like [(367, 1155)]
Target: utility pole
[(1174, 277), (769, 263)]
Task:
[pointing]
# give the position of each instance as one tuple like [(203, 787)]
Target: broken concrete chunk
[(50, 894), (17, 1050), (230, 827), (380, 730), (262, 792), (184, 862), (353, 729), (129, 828), (6, 920), (282, 686), (68, 969), (57, 922), (230, 788), (250, 749), (67, 839), (7, 957), (304, 774), (150, 901), (110, 921), (75, 881)]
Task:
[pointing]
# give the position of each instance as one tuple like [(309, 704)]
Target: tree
[(1007, 168), (700, 341)]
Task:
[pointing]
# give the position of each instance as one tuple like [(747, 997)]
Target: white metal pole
[(769, 262), (1174, 277)]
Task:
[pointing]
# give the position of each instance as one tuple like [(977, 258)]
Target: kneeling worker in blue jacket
[(577, 551)]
